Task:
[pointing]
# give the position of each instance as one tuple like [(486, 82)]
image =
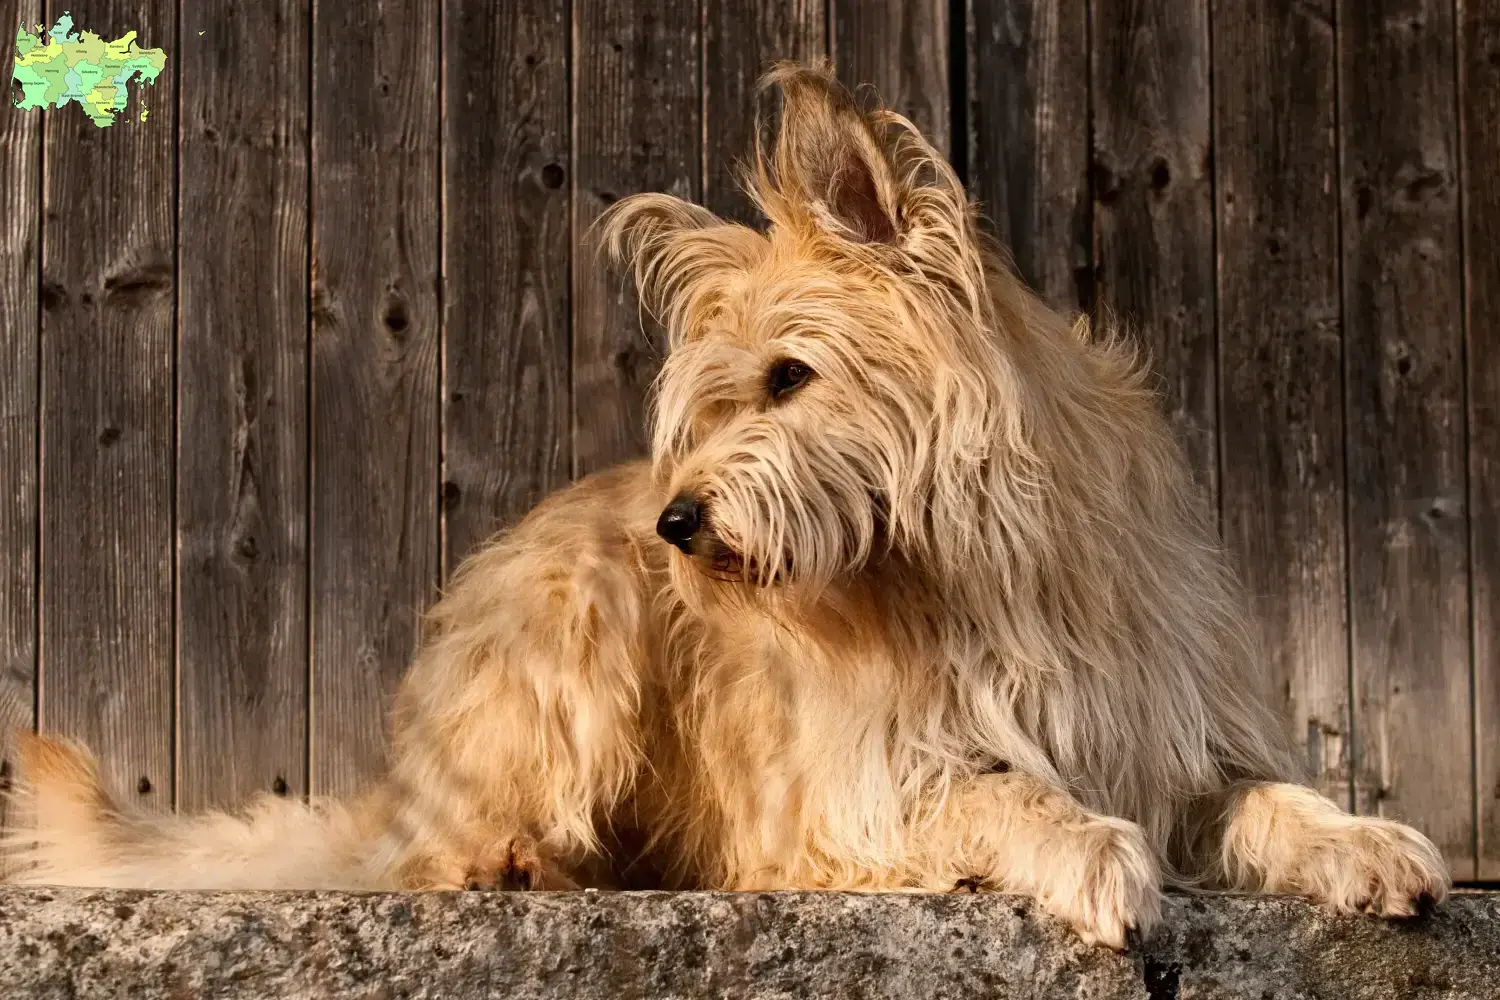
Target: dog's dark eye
[(786, 377)]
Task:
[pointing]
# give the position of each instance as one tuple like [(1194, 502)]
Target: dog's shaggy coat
[(941, 610)]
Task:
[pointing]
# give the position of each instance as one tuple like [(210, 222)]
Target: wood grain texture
[(1028, 122), (744, 38), (242, 414), (1280, 414), (108, 304), (900, 49), (1479, 89), (1153, 203), (1404, 392), (375, 173), (20, 200), (506, 395), (636, 106)]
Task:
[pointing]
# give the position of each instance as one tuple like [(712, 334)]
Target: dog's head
[(829, 388)]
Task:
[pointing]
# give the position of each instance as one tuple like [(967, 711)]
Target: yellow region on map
[(63, 65)]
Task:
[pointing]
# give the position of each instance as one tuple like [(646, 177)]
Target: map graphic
[(63, 65)]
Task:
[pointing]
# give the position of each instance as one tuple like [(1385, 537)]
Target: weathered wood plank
[(242, 393), (637, 127), (1404, 389), (1280, 415), (1153, 203), (506, 396), (20, 217), (900, 48), (375, 192), (1028, 122), (745, 37), (1479, 90), (108, 303)]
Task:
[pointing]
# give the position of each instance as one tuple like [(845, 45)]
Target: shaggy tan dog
[(915, 593)]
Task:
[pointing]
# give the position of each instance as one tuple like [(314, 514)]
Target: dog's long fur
[(955, 616)]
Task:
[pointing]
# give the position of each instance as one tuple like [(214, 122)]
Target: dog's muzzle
[(680, 522)]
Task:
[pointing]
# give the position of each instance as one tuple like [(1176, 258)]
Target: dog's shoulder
[(612, 504), (605, 519)]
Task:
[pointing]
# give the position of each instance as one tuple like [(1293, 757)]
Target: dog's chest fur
[(783, 736), (774, 746)]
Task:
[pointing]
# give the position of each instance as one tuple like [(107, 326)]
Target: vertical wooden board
[(1404, 413), (20, 164), (900, 48), (1280, 417), (744, 39), (506, 436), (242, 416), (636, 127), (108, 310), (1153, 202), (1479, 92), (1028, 139), (374, 530)]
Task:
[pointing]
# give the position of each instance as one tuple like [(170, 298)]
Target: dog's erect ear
[(829, 159), (655, 234), (679, 253), (634, 225)]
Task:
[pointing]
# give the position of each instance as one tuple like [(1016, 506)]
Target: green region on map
[(63, 65)]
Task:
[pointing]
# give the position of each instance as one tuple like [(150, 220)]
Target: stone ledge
[(654, 946)]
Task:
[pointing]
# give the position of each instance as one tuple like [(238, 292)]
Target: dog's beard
[(753, 542), (786, 509)]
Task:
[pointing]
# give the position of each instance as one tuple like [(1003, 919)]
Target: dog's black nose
[(680, 522)]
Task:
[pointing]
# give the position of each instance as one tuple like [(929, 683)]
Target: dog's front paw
[(513, 864), (1108, 885), (1375, 866), (504, 863)]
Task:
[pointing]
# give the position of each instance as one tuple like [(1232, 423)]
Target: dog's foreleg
[(518, 729), (1016, 833), (1289, 839)]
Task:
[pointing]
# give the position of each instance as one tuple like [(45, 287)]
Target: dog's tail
[(78, 836)]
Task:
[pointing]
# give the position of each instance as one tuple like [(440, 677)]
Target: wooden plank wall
[(1404, 411), (1479, 140), (20, 285), (350, 321), (1280, 402), (1153, 196), (507, 399), (242, 483), (105, 585)]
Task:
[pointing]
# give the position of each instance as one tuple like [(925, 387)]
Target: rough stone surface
[(654, 946)]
